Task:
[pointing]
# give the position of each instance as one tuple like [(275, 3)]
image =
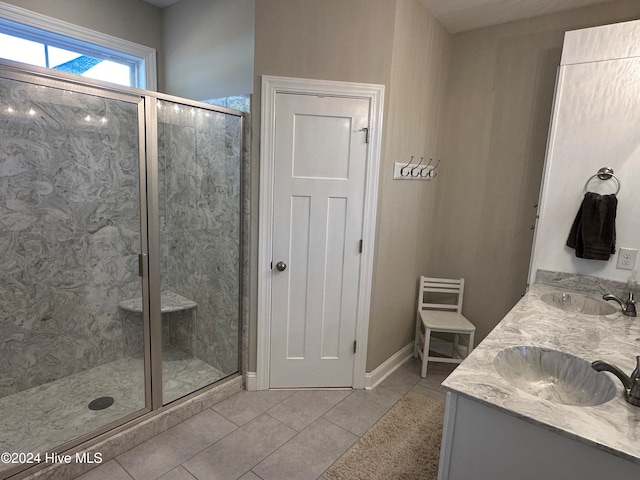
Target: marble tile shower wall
[(69, 231), (199, 156)]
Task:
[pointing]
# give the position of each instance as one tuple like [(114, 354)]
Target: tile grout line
[(263, 459), (264, 411), (121, 466), (272, 453), (298, 433), (356, 434), (246, 424), (225, 436), (318, 417), (340, 426), (197, 453)]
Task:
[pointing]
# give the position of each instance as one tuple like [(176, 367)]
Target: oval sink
[(555, 376), (576, 303)]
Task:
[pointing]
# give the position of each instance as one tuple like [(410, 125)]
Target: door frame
[(271, 86)]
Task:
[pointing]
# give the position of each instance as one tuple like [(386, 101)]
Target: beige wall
[(394, 43), (132, 20), (209, 48), (329, 40), (416, 94), (499, 98)]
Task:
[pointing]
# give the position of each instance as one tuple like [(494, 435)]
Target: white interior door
[(320, 149)]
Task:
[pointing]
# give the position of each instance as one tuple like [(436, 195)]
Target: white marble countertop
[(613, 426)]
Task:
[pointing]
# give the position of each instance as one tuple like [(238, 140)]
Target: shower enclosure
[(121, 246)]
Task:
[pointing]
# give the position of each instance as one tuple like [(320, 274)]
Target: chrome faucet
[(631, 384), (628, 306)]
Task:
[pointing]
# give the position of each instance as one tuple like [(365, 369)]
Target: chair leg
[(456, 344), (425, 352), (470, 347), (416, 343)]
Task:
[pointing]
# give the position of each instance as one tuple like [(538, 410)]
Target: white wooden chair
[(433, 317)]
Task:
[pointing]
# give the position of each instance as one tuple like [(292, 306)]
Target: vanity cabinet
[(484, 443), (495, 431)]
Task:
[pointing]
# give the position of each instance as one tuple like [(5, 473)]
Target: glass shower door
[(71, 315), (199, 172)]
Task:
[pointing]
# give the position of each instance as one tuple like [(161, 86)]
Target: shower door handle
[(142, 259), (281, 266)]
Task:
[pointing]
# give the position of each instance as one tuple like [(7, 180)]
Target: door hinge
[(355, 346), (366, 134), (360, 247)]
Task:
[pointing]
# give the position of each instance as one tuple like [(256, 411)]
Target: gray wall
[(209, 48)]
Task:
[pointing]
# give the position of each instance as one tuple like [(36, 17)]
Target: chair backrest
[(443, 286)]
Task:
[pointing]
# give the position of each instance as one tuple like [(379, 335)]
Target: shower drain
[(100, 403)]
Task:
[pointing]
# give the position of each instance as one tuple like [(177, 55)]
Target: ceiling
[(462, 15)]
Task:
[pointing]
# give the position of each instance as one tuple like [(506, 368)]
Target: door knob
[(281, 266)]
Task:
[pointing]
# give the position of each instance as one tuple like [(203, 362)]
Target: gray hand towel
[(593, 233)]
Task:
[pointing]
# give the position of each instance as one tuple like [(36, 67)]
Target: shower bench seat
[(169, 302), (178, 316)]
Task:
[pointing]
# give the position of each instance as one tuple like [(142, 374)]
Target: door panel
[(320, 152), (334, 267), (318, 143), (199, 165)]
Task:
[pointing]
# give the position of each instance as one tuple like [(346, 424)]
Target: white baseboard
[(251, 381), (371, 380), (389, 366)]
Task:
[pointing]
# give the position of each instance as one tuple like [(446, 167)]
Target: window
[(34, 39), (64, 60)]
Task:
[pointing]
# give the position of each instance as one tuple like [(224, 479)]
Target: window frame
[(30, 25)]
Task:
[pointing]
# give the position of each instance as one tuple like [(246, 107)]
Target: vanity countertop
[(613, 426)]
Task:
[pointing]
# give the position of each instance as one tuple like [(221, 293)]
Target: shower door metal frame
[(153, 259), (43, 77), (153, 202)]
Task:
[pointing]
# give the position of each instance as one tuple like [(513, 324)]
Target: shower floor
[(41, 418)]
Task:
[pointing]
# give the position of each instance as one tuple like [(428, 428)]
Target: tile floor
[(269, 435)]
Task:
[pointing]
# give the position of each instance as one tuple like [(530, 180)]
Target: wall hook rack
[(415, 171)]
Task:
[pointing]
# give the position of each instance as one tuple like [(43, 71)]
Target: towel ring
[(604, 173)]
